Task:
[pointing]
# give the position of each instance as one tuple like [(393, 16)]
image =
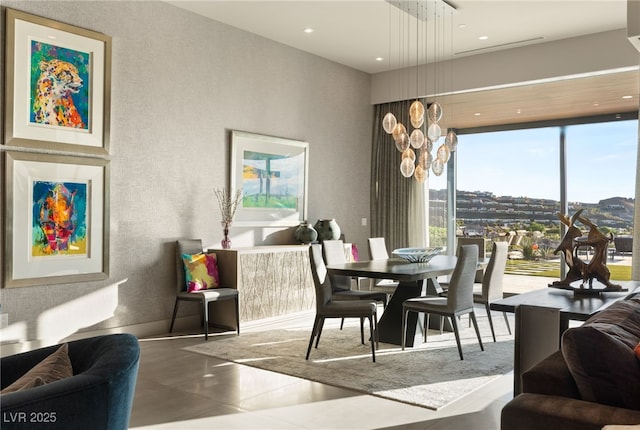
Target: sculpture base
[(581, 290)]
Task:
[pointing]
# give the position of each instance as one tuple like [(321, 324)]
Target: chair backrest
[(460, 293), (378, 248), (185, 246), (493, 276), (333, 251), (321, 281)]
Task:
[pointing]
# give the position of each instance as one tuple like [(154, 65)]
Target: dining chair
[(378, 251), (491, 287), (327, 307), (191, 247), (459, 300), (333, 251)]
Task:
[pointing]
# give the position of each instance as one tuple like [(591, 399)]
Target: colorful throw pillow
[(201, 271), (53, 368)]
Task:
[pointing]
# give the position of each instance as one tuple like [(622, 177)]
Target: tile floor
[(183, 390)]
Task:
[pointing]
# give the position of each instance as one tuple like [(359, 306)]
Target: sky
[(601, 160)]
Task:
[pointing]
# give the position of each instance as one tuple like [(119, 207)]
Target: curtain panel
[(397, 203)]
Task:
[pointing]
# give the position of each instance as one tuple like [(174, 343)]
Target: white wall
[(180, 83)]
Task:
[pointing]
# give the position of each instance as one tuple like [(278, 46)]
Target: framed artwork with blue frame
[(58, 85), (57, 223)]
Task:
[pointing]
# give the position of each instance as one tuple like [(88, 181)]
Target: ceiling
[(356, 32)]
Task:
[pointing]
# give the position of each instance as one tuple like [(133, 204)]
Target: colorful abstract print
[(59, 218), (59, 86)]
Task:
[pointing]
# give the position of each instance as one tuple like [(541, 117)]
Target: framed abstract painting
[(273, 175), (57, 219), (58, 84)]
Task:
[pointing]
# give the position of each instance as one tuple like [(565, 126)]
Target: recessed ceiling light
[(308, 30), (518, 111), (483, 37), (379, 59), (627, 97), (596, 104), (476, 114), (462, 26)]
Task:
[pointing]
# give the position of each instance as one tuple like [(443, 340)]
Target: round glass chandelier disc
[(429, 145), (437, 166), (443, 153), (435, 112), (425, 159), (451, 140), (417, 138), (402, 143), (433, 133), (417, 122), (389, 122), (408, 153), (398, 131), (420, 174), (416, 110), (407, 167)]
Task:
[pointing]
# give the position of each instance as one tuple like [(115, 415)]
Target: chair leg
[(404, 327), (373, 340), (173, 318), (426, 328), (493, 333), (237, 300), (472, 315), (316, 324), (320, 327), (205, 316), (454, 323), (341, 323), (362, 330), (506, 320)]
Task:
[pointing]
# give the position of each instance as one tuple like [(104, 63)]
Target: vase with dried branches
[(228, 202)]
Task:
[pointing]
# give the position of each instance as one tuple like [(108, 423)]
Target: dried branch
[(228, 204)]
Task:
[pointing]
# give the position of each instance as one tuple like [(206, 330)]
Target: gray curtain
[(390, 191)]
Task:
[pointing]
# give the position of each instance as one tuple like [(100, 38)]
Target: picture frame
[(57, 219), (58, 85), (273, 174)]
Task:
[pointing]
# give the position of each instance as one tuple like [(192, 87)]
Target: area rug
[(430, 375)]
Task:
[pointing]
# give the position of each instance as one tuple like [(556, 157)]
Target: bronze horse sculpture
[(596, 268)]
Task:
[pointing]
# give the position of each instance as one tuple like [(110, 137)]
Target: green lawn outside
[(552, 269)]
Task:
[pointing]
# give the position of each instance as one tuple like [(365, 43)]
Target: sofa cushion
[(53, 368), (201, 271), (600, 356)]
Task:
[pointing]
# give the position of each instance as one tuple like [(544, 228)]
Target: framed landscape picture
[(58, 85), (272, 173), (57, 219)]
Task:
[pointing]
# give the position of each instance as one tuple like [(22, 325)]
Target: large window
[(509, 189)]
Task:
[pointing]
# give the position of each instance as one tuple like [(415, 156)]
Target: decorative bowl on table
[(417, 255)]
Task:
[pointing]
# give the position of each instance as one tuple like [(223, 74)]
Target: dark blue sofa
[(99, 395)]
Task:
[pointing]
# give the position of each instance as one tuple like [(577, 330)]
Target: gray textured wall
[(180, 83)]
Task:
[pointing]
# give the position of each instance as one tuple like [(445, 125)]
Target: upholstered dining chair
[(191, 247), (491, 287), (327, 307), (459, 300), (333, 251), (378, 251)]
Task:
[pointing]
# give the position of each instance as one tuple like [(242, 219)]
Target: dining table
[(414, 280)]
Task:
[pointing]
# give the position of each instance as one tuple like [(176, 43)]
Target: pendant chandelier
[(422, 132)]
